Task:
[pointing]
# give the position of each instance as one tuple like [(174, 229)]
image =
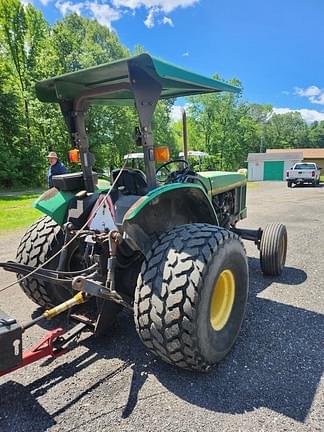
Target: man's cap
[(52, 155)]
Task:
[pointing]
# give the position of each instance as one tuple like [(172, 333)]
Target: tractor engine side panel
[(230, 206)]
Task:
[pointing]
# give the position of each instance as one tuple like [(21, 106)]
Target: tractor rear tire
[(40, 242), (273, 249), (191, 295)]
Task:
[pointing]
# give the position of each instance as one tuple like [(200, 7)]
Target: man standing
[(56, 167)]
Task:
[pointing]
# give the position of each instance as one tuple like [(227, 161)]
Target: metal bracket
[(249, 234), (95, 289)]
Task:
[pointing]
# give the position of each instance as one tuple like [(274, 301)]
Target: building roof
[(308, 153), (272, 156), (174, 81)]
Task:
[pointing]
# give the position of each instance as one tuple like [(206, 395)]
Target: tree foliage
[(224, 125), (31, 50)]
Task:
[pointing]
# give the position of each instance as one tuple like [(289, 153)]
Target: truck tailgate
[(302, 174)]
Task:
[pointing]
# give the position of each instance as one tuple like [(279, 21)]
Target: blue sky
[(274, 47)]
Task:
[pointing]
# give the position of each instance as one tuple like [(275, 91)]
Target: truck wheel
[(289, 183), (41, 241), (273, 249), (191, 295)]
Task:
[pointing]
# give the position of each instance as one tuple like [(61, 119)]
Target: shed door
[(273, 170)]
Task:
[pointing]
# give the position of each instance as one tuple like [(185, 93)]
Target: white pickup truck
[(303, 172)]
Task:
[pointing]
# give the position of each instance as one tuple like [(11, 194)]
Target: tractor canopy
[(174, 82), (141, 81)]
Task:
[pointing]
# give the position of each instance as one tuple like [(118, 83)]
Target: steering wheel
[(169, 174)]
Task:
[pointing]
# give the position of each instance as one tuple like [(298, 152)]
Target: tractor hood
[(174, 81)]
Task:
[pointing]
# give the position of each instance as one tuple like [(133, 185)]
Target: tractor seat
[(71, 182), (131, 181)]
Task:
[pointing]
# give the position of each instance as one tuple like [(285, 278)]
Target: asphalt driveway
[(271, 380)]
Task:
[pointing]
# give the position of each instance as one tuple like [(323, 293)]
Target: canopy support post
[(75, 121), (81, 141), (146, 92)]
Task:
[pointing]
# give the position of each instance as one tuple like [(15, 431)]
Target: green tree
[(223, 127), (23, 33), (316, 134), (10, 137), (286, 131)]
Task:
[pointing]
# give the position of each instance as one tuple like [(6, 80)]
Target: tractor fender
[(57, 205), (164, 208)]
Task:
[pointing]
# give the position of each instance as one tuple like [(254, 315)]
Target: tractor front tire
[(40, 242), (273, 249), (191, 295)]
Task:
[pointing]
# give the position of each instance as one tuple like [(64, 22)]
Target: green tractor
[(161, 243)]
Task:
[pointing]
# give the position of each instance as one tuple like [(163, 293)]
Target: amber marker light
[(74, 156), (162, 154)]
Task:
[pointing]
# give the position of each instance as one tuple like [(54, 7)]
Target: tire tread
[(165, 317), (39, 243)]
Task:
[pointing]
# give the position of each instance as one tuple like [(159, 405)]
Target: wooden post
[(184, 134)]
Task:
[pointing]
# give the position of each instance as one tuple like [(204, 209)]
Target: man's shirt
[(53, 170)]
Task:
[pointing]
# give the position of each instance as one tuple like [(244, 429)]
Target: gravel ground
[(271, 380)]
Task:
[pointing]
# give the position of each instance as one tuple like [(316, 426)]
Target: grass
[(322, 179), (16, 211)]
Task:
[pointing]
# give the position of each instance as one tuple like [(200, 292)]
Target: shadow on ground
[(307, 185), (276, 363)]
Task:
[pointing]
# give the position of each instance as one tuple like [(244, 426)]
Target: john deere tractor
[(162, 243)]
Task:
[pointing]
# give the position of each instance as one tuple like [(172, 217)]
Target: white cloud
[(185, 54), (309, 91), (313, 93), (165, 5), (307, 114), (67, 6), (167, 20), (149, 21), (26, 2), (44, 2), (318, 99), (154, 7), (107, 12), (103, 13)]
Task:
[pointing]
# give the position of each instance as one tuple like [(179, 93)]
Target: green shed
[(273, 170)]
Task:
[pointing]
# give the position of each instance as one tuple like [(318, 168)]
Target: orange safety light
[(74, 156), (162, 154)]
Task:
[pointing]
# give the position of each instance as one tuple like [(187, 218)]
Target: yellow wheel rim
[(222, 300)]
